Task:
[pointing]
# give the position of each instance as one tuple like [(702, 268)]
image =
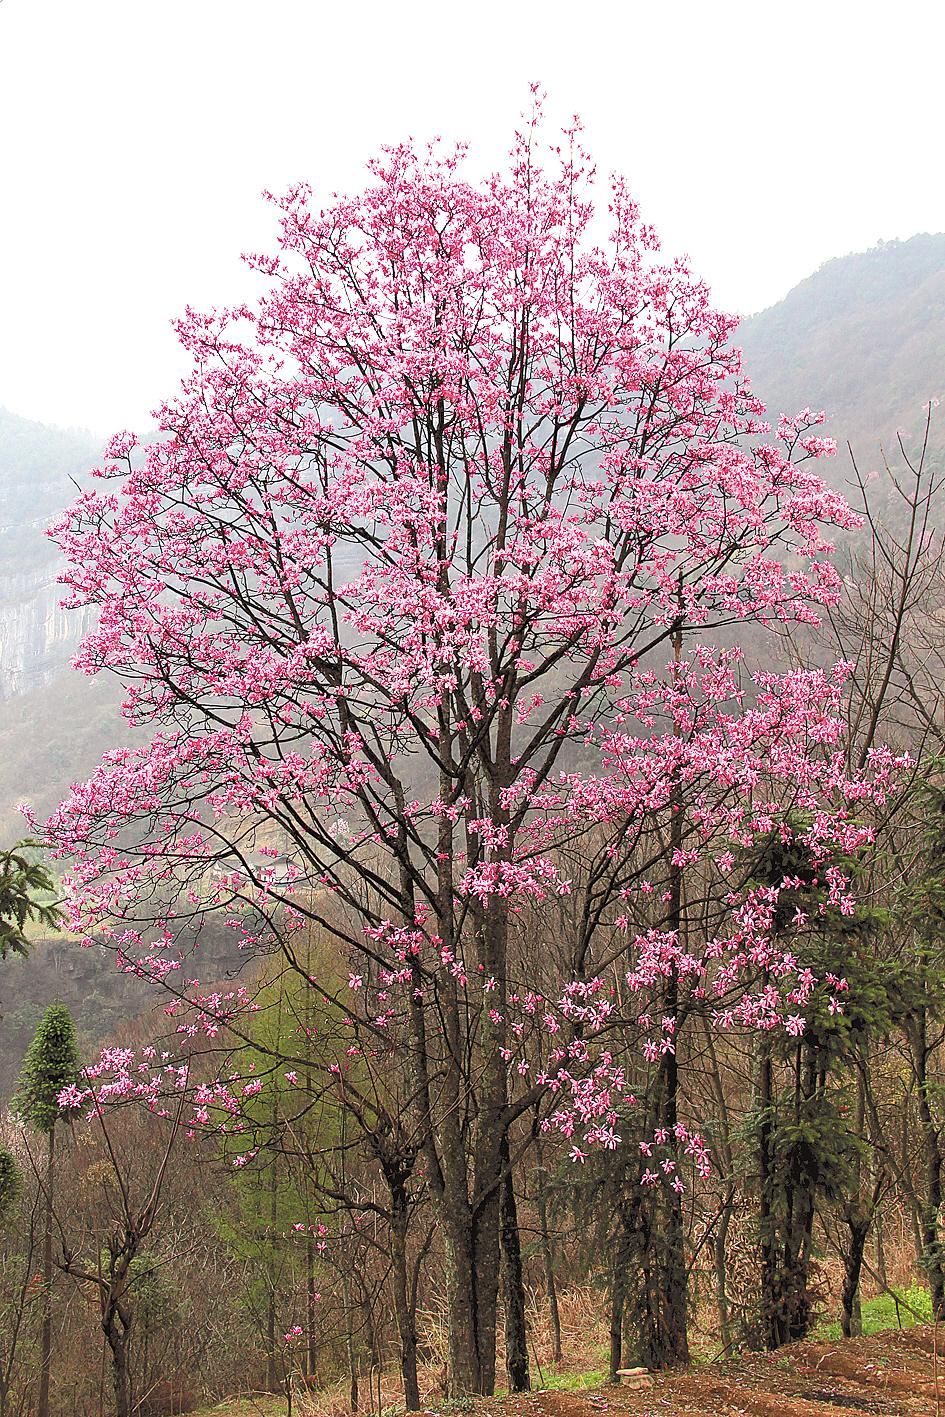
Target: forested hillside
[(862, 338)]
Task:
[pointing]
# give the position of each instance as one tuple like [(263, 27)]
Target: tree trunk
[(273, 1375), (466, 1197), (719, 1245), (618, 1293), (406, 1324), (661, 1303), (770, 1295), (859, 1217), (933, 1257), (465, 1378), (547, 1256), (670, 1341), (116, 1326), (349, 1345), (879, 1243), (663, 1320), (119, 1347), (491, 1132), (45, 1344), (311, 1304), (472, 1273), (471, 1214), (859, 1225), (513, 1289), (272, 1378), (664, 1335), (926, 1209)]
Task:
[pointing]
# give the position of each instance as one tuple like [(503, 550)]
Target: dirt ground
[(887, 1375)]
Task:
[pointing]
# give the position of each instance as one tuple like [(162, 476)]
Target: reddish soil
[(887, 1375)]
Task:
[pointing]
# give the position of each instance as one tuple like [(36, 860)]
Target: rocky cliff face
[(38, 466), (37, 637)]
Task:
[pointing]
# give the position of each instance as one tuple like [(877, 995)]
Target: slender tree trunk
[(471, 1238), (441, 1121), (859, 1217), (770, 1296), (794, 1313), (119, 1347), (369, 1328), (879, 1244), (406, 1323), (859, 1225), (513, 1288), (719, 1245), (547, 1255), (272, 1377), (116, 1326), (618, 1295), (663, 1323), (664, 1336), (472, 1226), (349, 1345), (669, 1342), (465, 1371), (491, 1134), (622, 1243), (466, 1187), (660, 1318), (45, 1345), (487, 1251), (933, 1257), (311, 1304)]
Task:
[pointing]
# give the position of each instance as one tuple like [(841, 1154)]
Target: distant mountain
[(39, 467), (862, 338), (54, 723)]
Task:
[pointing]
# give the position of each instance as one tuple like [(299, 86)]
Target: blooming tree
[(413, 601)]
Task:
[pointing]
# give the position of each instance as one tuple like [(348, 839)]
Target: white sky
[(136, 136)]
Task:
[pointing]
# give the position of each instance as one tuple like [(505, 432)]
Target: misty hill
[(862, 338), (54, 723), (38, 469)]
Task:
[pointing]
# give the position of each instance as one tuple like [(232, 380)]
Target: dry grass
[(583, 1342), (890, 1375)]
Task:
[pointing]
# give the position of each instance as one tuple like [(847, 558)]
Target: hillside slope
[(862, 338), (54, 723)]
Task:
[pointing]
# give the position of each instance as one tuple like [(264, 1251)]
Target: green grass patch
[(260, 1405), (568, 1382), (914, 1306)]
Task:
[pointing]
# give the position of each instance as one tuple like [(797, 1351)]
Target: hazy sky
[(136, 136)]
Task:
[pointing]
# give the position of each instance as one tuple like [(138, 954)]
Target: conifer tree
[(21, 880), (10, 1183), (51, 1064)]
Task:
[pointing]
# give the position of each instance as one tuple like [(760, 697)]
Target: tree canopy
[(417, 592)]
